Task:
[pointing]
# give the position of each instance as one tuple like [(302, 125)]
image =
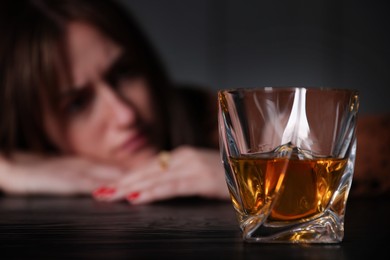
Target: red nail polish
[(104, 191), (132, 196)]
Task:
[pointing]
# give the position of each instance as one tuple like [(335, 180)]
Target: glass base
[(327, 229)]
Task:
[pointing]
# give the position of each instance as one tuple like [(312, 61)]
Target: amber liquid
[(301, 188)]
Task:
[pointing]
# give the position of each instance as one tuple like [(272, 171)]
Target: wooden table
[(81, 228)]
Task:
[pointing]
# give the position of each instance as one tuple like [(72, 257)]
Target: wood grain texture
[(80, 228)]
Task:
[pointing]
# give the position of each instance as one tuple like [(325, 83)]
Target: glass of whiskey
[(289, 157)]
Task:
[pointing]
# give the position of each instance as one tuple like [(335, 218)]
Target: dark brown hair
[(33, 67)]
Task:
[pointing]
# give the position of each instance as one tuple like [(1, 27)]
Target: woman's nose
[(120, 110)]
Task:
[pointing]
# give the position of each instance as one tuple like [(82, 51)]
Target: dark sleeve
[(372, 167)]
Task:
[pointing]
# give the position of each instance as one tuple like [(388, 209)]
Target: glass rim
[(288, 88)]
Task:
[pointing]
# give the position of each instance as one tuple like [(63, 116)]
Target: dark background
[(231, 43)]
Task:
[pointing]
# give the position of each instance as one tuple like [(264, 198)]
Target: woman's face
[(109, 114)]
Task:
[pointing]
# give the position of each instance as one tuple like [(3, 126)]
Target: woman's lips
[(134, 143)]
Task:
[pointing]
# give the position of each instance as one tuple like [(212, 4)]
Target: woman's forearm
[(28, 174)]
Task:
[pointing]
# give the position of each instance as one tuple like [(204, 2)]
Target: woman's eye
[(78, 103), (116, 77), (119, 73)]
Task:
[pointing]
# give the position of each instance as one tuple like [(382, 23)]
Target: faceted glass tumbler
[(289, 157)]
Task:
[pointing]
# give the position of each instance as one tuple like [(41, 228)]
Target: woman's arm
[(186, 171), (28, 174)]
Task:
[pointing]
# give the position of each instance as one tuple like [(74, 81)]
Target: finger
[(162, 191), (127, 184), (133, 186), (179, 181)]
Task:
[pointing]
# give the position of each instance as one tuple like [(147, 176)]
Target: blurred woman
[(87, 107)]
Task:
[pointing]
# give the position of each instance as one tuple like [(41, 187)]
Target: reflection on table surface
[(184, 228)]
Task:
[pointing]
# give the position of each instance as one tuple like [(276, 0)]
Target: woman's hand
[(185, 171), (28, 174)]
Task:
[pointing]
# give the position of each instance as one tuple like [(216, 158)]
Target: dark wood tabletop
[(81, 228)]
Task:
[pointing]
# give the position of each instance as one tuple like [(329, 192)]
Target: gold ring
[(163, 159)]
